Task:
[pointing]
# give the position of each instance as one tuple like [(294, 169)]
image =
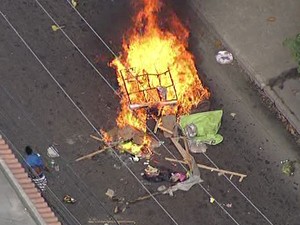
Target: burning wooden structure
[(155, 69), (149, 90)]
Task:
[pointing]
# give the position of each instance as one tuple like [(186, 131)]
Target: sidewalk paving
[(12, 210), (253, 31), (21, 202)]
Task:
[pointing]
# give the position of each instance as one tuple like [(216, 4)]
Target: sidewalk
[(17, 193), (254, 31), (12, 210)]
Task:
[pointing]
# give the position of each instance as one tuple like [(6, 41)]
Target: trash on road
[(56, 28), (153, 174), (161, 188), (178, 177), (233, 115), (117, 210), (69, 199), (110, 193), (224, 57), (187, 184), (74, 3), (271, 19), (228, 205), (52, 152), (135, 159), (288, 167), (196, 147)]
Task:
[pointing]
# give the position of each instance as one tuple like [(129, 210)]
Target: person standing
[(37, 167)]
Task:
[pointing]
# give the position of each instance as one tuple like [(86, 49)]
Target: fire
[(105, 136), (151, 49)]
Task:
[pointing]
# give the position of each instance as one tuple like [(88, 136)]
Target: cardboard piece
[(168, 122)]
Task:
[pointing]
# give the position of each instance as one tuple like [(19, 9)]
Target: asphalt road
[(35, 110)]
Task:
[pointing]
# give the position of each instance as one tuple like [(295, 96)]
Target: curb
[(294, 121), (24, 187)]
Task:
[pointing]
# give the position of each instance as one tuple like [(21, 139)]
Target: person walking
[(36, 167)]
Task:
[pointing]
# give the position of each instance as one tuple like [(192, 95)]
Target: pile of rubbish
[(190, 134)]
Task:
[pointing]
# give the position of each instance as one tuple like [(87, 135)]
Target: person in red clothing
[(36, 167)]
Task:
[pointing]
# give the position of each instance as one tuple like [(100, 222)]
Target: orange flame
[(153, 50)]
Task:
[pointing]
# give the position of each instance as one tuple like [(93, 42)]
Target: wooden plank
[(92, 154), (157, 125), (165, 129), (158, 121), (179, 148), (212, 169), (96, 138), (168, 122), (144, 197)]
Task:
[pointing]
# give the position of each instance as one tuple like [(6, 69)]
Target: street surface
[(36, 111)]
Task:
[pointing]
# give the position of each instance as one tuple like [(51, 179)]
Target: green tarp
[(207, 123)]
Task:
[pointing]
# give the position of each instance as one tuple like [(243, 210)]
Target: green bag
[(207, 123)]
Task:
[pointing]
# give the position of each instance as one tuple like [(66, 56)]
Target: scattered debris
[(69, 199), (54, 165), (52, 152), (74, 3), (271, 19), (178, 177), (161, 188), (191, 130), (117, 167), (233, 115), (229, 205), (196, 147), (194, 173), (56, 28), (117, 210), (110, 193), (153, 174), (135, 159), (224, 57), (288, 167)]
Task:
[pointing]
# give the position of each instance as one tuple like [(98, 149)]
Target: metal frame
[(144, 88)]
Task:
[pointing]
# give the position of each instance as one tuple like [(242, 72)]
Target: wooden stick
[(158, 121), (212, 169), (96, 138), (157, 125), (181, 150), (112, 144), (144, 197), (188, 155), (165, 129), (92, 154), (186, 145)]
